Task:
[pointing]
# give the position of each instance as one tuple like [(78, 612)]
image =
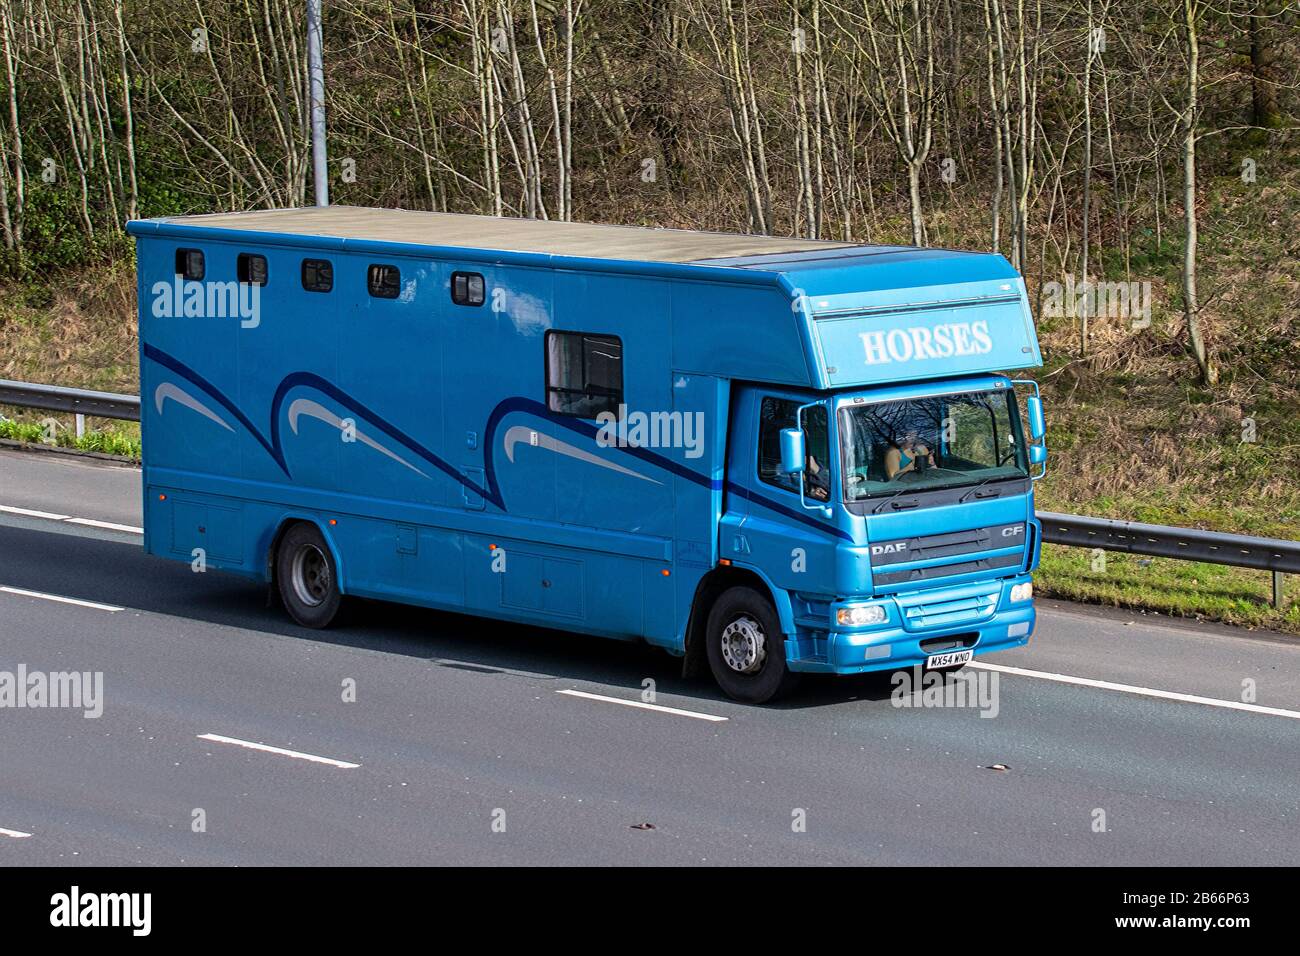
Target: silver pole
[(316, 67)]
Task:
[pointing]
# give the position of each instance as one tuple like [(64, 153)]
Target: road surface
[(225, 736)]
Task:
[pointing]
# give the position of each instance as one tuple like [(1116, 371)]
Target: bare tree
[(1192, 10)]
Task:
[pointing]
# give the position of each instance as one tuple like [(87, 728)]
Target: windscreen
[(921, 444)]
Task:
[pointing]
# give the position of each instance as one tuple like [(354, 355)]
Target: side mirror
[(1037, 454), (1037, 428), (792, 451)]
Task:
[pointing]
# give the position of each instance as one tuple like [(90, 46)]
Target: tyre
[(746, 648), (307, 576)]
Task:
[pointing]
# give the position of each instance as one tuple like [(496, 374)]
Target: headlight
[(861, 615), (1022, 592)]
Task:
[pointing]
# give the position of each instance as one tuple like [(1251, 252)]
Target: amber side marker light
[(162, 497), (334, 521)]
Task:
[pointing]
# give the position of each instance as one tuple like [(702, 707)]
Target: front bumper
[(906, 638)]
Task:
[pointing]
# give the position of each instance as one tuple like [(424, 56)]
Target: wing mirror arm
[(1037, 427), (794, 460)]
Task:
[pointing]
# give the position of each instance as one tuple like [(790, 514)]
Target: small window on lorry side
[(317, 275), (468, 288), (251, 269), (584, 373), (384, 282), (189, 264)]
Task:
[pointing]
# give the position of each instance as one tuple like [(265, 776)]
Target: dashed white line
[(16, 834), (69, 519), (297, 755), (22, 592), (1141, 691), (641, 705)]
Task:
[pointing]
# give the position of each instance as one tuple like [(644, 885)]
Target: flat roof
[(540, 236)]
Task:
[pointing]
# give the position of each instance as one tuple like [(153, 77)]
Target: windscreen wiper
[(966, 497), (901, 491)]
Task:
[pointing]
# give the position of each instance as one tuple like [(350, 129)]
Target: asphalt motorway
[(226, 736)]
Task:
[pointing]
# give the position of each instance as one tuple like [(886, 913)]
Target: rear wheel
[(307, 577), (746, 647)]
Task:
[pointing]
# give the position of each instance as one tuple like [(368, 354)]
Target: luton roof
[(536, 236)]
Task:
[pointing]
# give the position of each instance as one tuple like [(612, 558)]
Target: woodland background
[(1153, 141)]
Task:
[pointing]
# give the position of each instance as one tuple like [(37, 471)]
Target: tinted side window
[(468, 288), (189, 264), (776, 414), (251, 269), (584, 373), (317, 275), (384, 282)]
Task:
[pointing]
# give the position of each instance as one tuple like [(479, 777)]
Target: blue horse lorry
[(771, 456)]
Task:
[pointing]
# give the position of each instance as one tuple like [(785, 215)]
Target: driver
[(901, 458), (817, 480)]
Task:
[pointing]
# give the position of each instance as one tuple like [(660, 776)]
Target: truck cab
[(889, 509), (896, 522)]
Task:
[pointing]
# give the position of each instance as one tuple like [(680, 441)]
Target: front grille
[(925, 549), (948, 570), (946, 613)]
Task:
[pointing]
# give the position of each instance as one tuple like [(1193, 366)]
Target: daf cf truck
[(769, 457)]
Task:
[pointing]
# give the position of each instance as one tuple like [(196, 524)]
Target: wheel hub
[(744, 646), (311, 575)]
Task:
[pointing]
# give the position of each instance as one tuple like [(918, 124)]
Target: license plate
[(951, 659)]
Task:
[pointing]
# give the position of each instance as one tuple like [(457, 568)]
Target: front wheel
[(746, 648), (307, 577)]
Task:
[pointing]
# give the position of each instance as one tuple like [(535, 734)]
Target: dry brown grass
[(85, 337)]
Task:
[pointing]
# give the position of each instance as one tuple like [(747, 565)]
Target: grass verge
[(123, 441)]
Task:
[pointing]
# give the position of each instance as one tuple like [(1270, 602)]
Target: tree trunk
[(1264, 107), (1087, 178), (1191, 14)]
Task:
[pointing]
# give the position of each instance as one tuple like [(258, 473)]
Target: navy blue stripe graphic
[(492, 493), (310, 380), (194, 378)]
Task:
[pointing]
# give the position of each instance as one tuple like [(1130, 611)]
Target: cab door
[(792, 541)]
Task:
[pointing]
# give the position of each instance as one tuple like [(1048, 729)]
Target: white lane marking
[(298, 755), (16, 834), (28, 513), (1141, 691), (21, 592), (641, 705), (69, 519), (93, 523)]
